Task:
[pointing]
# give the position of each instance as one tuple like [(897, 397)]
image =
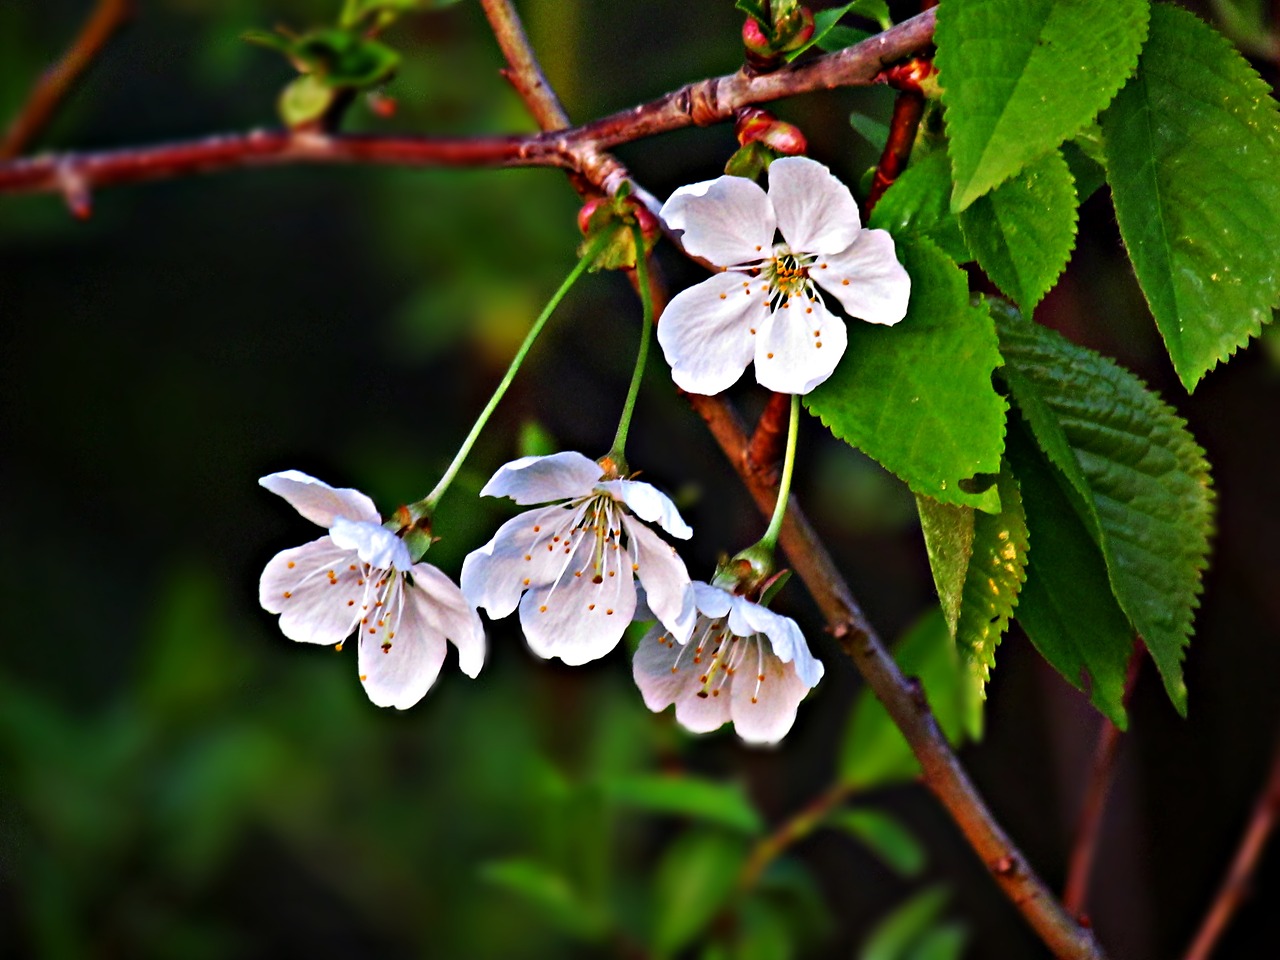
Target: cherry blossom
[(767, 306), (743, 663), (576, 561), (360, 577)]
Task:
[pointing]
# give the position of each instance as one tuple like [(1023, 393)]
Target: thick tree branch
[(579, 149), (1236, 885), (53, 86)]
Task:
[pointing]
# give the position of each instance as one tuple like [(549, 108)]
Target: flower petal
[(796, 350), (451, 615), (319, 502), (375, 544), (574, 617), (397, 669), (317, 589), (667, 590), (764, 710), (727, 221), (651, 667), (816, 212), (494, 576), (785, 637), (712, 601), (649, 504), (707, 335), (867, 279), (561, 476)]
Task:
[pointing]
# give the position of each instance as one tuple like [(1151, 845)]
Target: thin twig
[(1236, 885), (580, 149), (523, 70), (1089, 827), (53, 86), (791, 831)]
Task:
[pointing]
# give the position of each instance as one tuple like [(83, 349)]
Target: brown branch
[(523, 70), (53, 86), (580, 149), (789, 832), (1236, 885), (1089, 826), (769, 439)]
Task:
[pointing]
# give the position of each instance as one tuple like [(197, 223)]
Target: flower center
[(716, 655), (787, 275)]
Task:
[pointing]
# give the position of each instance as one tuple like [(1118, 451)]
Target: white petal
[(493, 577), (727, 221), (764, 710), (651, 667), (816, 212), (712, 601), (575, 618), (649, 504), (785, 637), (706, 332), (400, 673), (797, 350), (879, 287), (319, 502), (317, 589), (451, 614), (667, 590), (561, 476), (376, 545)]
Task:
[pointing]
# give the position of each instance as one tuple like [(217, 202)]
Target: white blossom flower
[(766, 306), (359, 577), (743, 663), (576, 561)]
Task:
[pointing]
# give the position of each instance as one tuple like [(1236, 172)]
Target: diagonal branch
[(579, 149), (903, 698), (53, 86)]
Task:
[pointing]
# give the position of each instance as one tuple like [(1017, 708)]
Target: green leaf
[(550, 893), (343, 59), (917, 397), (872, 131), (1193, 156), (1085, 165), (1021, 76), (978, 562), (828, 35), (941, 943), (885, 837), (720, 803), (898, 934), (1023, 231), (1245, 22), (918, 205), (1066, 606), (1135, 476), (874, 751), (693, 881)]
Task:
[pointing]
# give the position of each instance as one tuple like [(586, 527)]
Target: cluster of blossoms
[(584, 563)]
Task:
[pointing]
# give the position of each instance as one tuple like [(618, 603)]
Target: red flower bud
[(587, 212), (754, 40)]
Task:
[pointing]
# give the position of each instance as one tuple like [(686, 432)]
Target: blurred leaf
[(535, 440), (762, 932), (1192, 147), (917, 397), (918, 205), (341, 58), (720, 803), (692, 883), (1066, 606), (355, 11), (911, 926), (840, 37), (1139, 480), (304, 100), (978, 562), (874, 751), (1021, 76), (885, 837), (1023, 231), (874, 132), (551, 894), (1245, 22), (829, 36)]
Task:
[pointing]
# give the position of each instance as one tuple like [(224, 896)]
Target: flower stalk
[(617, 453), (421, 511), (770, 539)]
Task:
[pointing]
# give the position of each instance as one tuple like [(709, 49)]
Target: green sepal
[(304, 100), (750, 160)]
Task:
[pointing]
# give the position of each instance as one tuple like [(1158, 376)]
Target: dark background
[(177, 779)]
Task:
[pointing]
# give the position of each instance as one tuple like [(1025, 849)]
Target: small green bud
[(618, 217)]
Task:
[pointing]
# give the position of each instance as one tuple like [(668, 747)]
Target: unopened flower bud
[(588, 211), (760, 126), (794, 31), (754, 39)]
